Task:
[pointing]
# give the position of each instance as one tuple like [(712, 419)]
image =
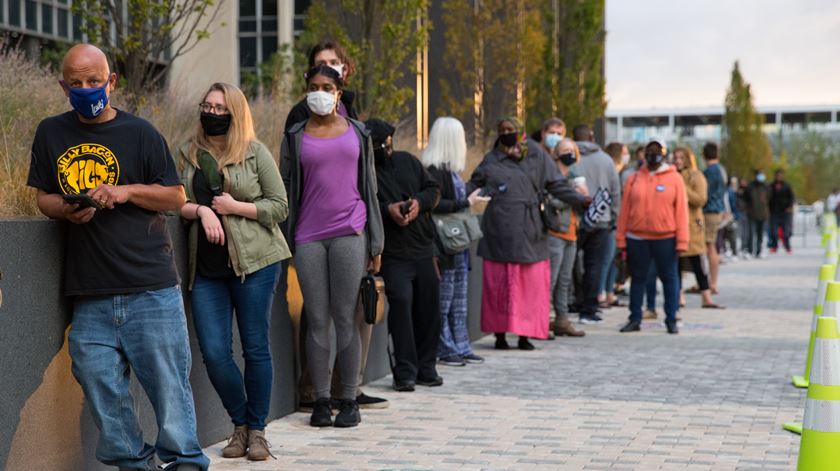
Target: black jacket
[(781, 199), (512, 226), (300, 112), (400, 176), (448, 204)]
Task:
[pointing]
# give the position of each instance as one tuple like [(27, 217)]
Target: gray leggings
[(562, 253), (330, 272)]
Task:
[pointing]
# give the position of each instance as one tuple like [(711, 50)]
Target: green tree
[(813, 163), (383, 38), (745, 146), (143, 37)]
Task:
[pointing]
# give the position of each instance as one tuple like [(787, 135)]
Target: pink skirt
[(515, 298)]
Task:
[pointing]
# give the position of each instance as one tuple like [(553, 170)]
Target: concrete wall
[(44, 422)]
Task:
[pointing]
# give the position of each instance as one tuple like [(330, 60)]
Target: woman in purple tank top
[(335, 233)]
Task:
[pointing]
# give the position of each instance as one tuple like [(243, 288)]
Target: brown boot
[(258, 446), (564, 327), (238, 444)]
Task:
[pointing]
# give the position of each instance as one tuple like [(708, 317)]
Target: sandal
[(693, 290), (618, 303), (713, 306)]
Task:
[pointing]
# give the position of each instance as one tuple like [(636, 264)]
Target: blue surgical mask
[(760, 178), (551, 140), (89, 102)]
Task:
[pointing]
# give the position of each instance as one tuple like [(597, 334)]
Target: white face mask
[(625, 158), (321, 103), (338, 68)]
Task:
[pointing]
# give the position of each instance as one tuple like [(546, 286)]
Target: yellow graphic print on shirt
[(85, 166)]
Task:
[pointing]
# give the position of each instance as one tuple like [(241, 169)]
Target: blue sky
[(679, 53)]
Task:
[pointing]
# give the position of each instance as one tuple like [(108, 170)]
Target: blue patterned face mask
[(551, 140), (89, 102)]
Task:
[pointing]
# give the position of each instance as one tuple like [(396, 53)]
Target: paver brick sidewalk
[(711, 398)]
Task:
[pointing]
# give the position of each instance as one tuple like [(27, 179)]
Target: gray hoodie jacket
[(599, 170)]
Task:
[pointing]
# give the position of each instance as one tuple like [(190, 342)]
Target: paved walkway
[(711, 398)]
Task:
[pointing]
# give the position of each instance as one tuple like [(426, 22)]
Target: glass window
[(247, 8), (47, 19), (269, 7), (77, 28), (269, 26), (14, 12), (63, 16), (247, 26), (247, 52), (301, 6), (269, 47), (2, 9), (31, 15)]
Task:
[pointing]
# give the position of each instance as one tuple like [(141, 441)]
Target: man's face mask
[(760, 178), (654, 159), (551, 140), (88, 102)]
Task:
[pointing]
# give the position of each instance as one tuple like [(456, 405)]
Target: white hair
[(447, 147)]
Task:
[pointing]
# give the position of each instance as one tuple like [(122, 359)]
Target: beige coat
[(695, 189)]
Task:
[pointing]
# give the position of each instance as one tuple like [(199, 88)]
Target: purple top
[(330, 205)]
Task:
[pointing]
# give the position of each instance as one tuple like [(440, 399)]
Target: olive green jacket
[(252, 244)]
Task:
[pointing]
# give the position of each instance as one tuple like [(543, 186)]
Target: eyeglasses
[(211, 108)]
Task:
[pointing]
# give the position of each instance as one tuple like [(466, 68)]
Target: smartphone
[(405, 208), (485, 191), (83, 200)]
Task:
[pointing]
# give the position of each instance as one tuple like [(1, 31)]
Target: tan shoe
[(237, 446), (564, 327), (648, 314), (258, 446)]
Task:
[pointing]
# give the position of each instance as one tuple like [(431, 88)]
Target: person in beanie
[(653, 228), (407, 195)]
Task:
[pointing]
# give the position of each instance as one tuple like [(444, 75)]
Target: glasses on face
[(211, 108)]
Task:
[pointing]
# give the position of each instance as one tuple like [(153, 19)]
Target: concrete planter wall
[(44, 422)]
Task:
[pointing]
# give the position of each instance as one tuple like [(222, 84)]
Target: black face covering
[(567, 159), (381, 152), (508, 139), (214, 124)]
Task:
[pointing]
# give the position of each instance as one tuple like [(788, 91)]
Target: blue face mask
[(89, 102), (551, 140), (760, 177)]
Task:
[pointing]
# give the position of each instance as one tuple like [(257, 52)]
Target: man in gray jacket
[(598, 220)]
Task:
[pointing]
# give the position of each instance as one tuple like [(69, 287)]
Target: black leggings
[(699, 273)]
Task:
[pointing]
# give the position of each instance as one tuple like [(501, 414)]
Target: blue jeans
[(650, 288), (662, 253), (214, 301), (147, 333), (609, 270)]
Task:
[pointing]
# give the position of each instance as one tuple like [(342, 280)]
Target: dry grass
[(30, 93)]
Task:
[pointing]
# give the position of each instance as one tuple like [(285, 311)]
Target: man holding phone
[(110, 175)]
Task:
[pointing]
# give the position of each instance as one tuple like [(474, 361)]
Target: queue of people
[(565, 224)]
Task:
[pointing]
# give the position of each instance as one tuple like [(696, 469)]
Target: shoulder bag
[(372, 294), (457, 231)]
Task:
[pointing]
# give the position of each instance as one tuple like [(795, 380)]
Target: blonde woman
[(444, 158), (696, 191), (236, 200)]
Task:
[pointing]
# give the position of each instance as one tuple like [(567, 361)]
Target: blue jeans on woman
[(214, 301), (609, 271), (146, 333), (640, 255)]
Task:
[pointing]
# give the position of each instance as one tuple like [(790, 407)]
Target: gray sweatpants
[(330, 273), (562, 255)]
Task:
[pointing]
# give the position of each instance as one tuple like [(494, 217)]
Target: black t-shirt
[(213, 259), (122, 250)]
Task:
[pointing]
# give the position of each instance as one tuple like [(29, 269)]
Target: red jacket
[(654, 206)]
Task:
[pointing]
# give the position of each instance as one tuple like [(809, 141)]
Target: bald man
[(110, 176)]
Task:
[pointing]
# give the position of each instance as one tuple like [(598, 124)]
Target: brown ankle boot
[(564, 327), (237, 446), (258, 446)]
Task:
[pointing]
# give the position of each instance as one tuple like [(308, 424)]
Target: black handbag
[(372, 293)]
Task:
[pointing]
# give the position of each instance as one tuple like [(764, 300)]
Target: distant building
[(688, 125)]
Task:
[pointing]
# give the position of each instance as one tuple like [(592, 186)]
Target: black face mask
[(653, 160), (508, 139), (381, 153), (567, 159), (214, 124)]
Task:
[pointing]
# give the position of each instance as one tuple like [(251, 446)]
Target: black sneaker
[(672, 327), (590, 319), (370, 402), (473, 358), (501, 343), (632, 326), (451, 361), (348, 414), (524, 344), (403, 386), (431, 382), (321, 414)]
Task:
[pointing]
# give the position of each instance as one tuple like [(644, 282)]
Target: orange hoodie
[(654, 206)]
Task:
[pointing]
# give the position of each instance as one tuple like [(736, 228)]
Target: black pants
[(758, 236), (413, 292), (593, 244), (696, 264)]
